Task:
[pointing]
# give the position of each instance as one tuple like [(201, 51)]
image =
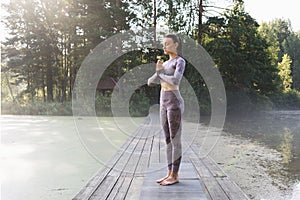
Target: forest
[(49, 39)]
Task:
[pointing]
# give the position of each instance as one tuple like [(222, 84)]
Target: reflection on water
[(286, 147), (276, 129)]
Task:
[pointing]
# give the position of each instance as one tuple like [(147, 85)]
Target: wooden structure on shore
[(132, 172)]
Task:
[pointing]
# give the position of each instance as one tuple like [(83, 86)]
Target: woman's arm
[(176, 78), (153, 80)]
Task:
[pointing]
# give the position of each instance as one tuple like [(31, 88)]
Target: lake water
[(279, 130)]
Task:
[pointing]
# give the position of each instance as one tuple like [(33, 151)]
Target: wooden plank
[(162, 149), (135, 189), (130, 153), (120, 189), (210, 163), (202, 170), (155, 152), (213, 167), (145, 158), (155, 149), (200, 173), (212, 187), (136, 183), (91, 186), (187, 151), (136, 155), (187, 188), (156, 131), (104, 189), (215, 183), (231, 189)]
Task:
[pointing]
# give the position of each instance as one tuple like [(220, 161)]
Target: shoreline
[(257, 169)]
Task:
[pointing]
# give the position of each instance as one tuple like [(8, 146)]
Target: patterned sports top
[(172, 72)]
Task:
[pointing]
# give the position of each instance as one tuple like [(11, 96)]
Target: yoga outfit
[(171, 108)]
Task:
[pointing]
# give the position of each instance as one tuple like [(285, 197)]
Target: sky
[(261, 10), (267, 10)]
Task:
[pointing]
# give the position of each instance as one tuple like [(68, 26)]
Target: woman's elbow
[(150, 82), (175, 81)]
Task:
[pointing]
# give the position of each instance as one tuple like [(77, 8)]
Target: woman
[(171, 104)]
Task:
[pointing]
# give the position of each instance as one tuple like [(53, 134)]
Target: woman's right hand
[(159, 65)]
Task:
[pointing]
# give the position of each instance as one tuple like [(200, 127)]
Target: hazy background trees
[(259, 63)]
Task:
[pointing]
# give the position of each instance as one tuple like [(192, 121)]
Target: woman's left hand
[(159, 65)]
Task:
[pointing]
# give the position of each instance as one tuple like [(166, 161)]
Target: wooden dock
[(132, 172)]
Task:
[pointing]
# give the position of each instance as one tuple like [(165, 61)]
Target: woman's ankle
[(174, 175)]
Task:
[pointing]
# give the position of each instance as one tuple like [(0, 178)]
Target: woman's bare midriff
[(168, 87)]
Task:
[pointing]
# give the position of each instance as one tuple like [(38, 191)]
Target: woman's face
[(169, 46)]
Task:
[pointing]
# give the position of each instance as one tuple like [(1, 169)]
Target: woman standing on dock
[(171, 104)]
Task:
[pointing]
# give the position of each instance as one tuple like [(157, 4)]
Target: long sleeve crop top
[(172, 72)]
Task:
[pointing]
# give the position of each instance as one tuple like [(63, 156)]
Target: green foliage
[(273, 43), (285, 72), (282, 40), (296, 75), (139, 104), (291, 46), (276, 32), (242, 57), (102, 105), (199, 89)]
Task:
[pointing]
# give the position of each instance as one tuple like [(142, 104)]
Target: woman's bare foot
[(164, 178), (161, 179), (172, 179)]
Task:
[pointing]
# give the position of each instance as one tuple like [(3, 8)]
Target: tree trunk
[(10, 90), (49, 82), (154, 23), (43, 85), (200, 29)]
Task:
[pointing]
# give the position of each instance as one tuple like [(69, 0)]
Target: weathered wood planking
[(188, 187), (217, 183), (212, 188)]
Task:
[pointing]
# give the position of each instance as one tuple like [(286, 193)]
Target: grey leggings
[(171, 109)]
